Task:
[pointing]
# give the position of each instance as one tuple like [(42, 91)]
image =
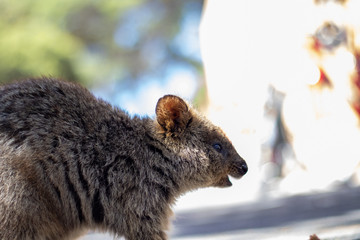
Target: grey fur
[(70, 162)]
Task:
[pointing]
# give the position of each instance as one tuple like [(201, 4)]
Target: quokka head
[(192, 137)]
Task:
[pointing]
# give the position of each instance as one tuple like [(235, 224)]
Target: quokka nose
[(244, 168)]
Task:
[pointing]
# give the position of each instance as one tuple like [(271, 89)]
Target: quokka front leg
[(145, 229), (147, 236)]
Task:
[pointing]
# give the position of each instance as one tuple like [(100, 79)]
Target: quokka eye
[(217, 147)]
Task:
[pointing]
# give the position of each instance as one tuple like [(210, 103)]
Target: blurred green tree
[(91, 41)]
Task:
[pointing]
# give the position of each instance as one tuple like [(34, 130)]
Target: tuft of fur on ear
[(172, 114)]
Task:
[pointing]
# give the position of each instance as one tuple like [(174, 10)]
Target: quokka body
[(70, 162)]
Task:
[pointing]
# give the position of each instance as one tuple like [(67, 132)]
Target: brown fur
[(314, 237), (70, 162)]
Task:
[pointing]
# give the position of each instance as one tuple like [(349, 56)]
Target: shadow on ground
[(273, 213)]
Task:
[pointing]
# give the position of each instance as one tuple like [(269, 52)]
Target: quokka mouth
[(236, 171), (223, 182)]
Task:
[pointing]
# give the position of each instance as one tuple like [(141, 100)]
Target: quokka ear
[(173, 115)]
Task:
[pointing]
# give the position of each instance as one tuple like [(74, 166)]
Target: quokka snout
[(70, 162)]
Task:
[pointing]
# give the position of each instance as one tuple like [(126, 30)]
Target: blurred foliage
[(91, 41)]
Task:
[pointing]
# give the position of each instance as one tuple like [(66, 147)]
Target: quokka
[(70, 162)]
